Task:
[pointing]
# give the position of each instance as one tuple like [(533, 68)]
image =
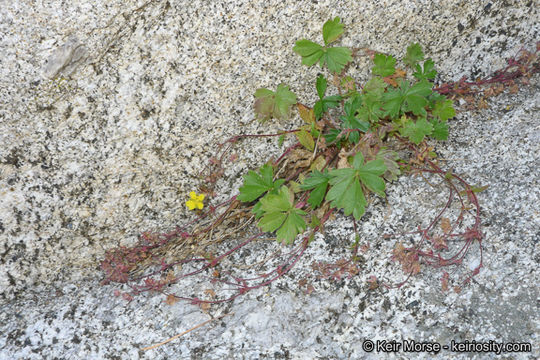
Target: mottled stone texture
[(140, 95)]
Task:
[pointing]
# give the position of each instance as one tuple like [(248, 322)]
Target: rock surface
[(112, 145)]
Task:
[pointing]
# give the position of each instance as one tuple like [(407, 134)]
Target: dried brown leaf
[(171, 299), (343, 161), (306, 114), (445, 225)]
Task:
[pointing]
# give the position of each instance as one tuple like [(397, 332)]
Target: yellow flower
[(196, 201)]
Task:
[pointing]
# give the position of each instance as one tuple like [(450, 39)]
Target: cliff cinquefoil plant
[(353, 142)]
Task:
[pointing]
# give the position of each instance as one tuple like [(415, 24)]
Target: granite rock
[(112, 144)]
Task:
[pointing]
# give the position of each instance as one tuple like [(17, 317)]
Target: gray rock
[(112, 151)]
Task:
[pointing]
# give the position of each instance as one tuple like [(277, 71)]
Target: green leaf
[(370, 173), (434, 97), (440, 130), (281, 139), (352, 105), (262, 92), (315, 132), (272, 221), (309, 51), (332, 135), (474, 189), (414, 55), (257, 210), (271, 104), (321, 86), (281, 215), (415, 97), (416, 131), (293, 225), (384, 65), (317, 182), (351, 121), (318, 109), (444, 110), (374, 87), (331, 30), (407, 98), (305, 139), (257, 184), (371, 105), (323, 105), (428, 72), (392, 101), (332, 101), (336, 58), (346, 190), (315, 221)]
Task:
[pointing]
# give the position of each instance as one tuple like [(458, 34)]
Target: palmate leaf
[(332, 135), (331, 30), (372, 101), (414, 55), (334, 57), (370, 173), (317, 182), (415, 97), (374, 88), (407, 98), (346, 193), (428, 72), (309, 51), (351, 121), (257, 184), (281, 216), (346, 185), (371, 109), (416, 131), (384, 65), (324, 103), (444, 109), (392, 101), (440, 129), (270, 104)]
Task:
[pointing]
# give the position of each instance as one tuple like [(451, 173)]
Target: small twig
[(184, 333)]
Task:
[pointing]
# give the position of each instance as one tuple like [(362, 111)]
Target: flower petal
[(193, 195), (200, 197), (191, 204), (200, 205)]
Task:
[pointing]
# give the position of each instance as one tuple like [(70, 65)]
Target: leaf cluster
[(391, 105), (335, 58), (346, 185)]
